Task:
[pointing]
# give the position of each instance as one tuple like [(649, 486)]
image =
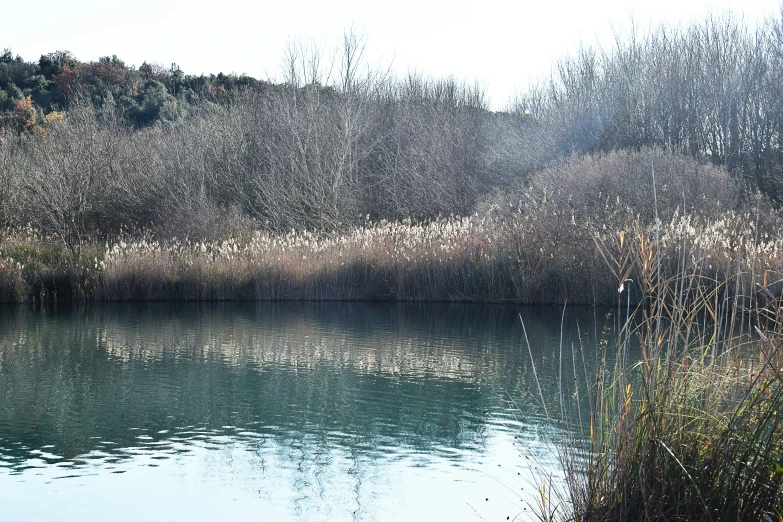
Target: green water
[(293, 411)]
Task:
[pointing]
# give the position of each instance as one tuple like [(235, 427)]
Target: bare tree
[(7, 180), (61, 175)]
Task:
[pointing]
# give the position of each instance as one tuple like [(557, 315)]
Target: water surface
[(289, 411)]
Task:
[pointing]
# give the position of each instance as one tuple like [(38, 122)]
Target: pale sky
[(502, 44)]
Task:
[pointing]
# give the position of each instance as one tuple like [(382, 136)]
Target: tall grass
[(537, 252), (685, 414), (36, 266), (11, 281), (456, 259)]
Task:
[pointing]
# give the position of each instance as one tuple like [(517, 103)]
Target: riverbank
[(532, 255)]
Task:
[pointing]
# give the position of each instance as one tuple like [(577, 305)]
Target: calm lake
[(289, 411)]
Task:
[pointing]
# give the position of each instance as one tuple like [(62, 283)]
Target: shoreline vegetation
[(341, 181), (472, 259), (536, 245), (121, 183), (683, 419)]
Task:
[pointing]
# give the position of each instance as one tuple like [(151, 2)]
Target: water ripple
[(318, 412)]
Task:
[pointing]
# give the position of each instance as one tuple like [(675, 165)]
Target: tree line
[(332, 145), (152, 93), (89, 149), (712, 90)]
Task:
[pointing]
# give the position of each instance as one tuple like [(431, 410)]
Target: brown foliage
[(25, 114), (66, 78)]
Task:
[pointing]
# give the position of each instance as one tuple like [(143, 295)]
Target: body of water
[(287, 411)]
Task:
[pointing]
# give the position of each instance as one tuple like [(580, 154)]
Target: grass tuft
[(685, 413)]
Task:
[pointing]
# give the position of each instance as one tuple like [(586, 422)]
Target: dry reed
[(536, 252), (682, 420)]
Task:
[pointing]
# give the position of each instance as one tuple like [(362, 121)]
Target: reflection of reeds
[(532, 255), (691, 428)]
